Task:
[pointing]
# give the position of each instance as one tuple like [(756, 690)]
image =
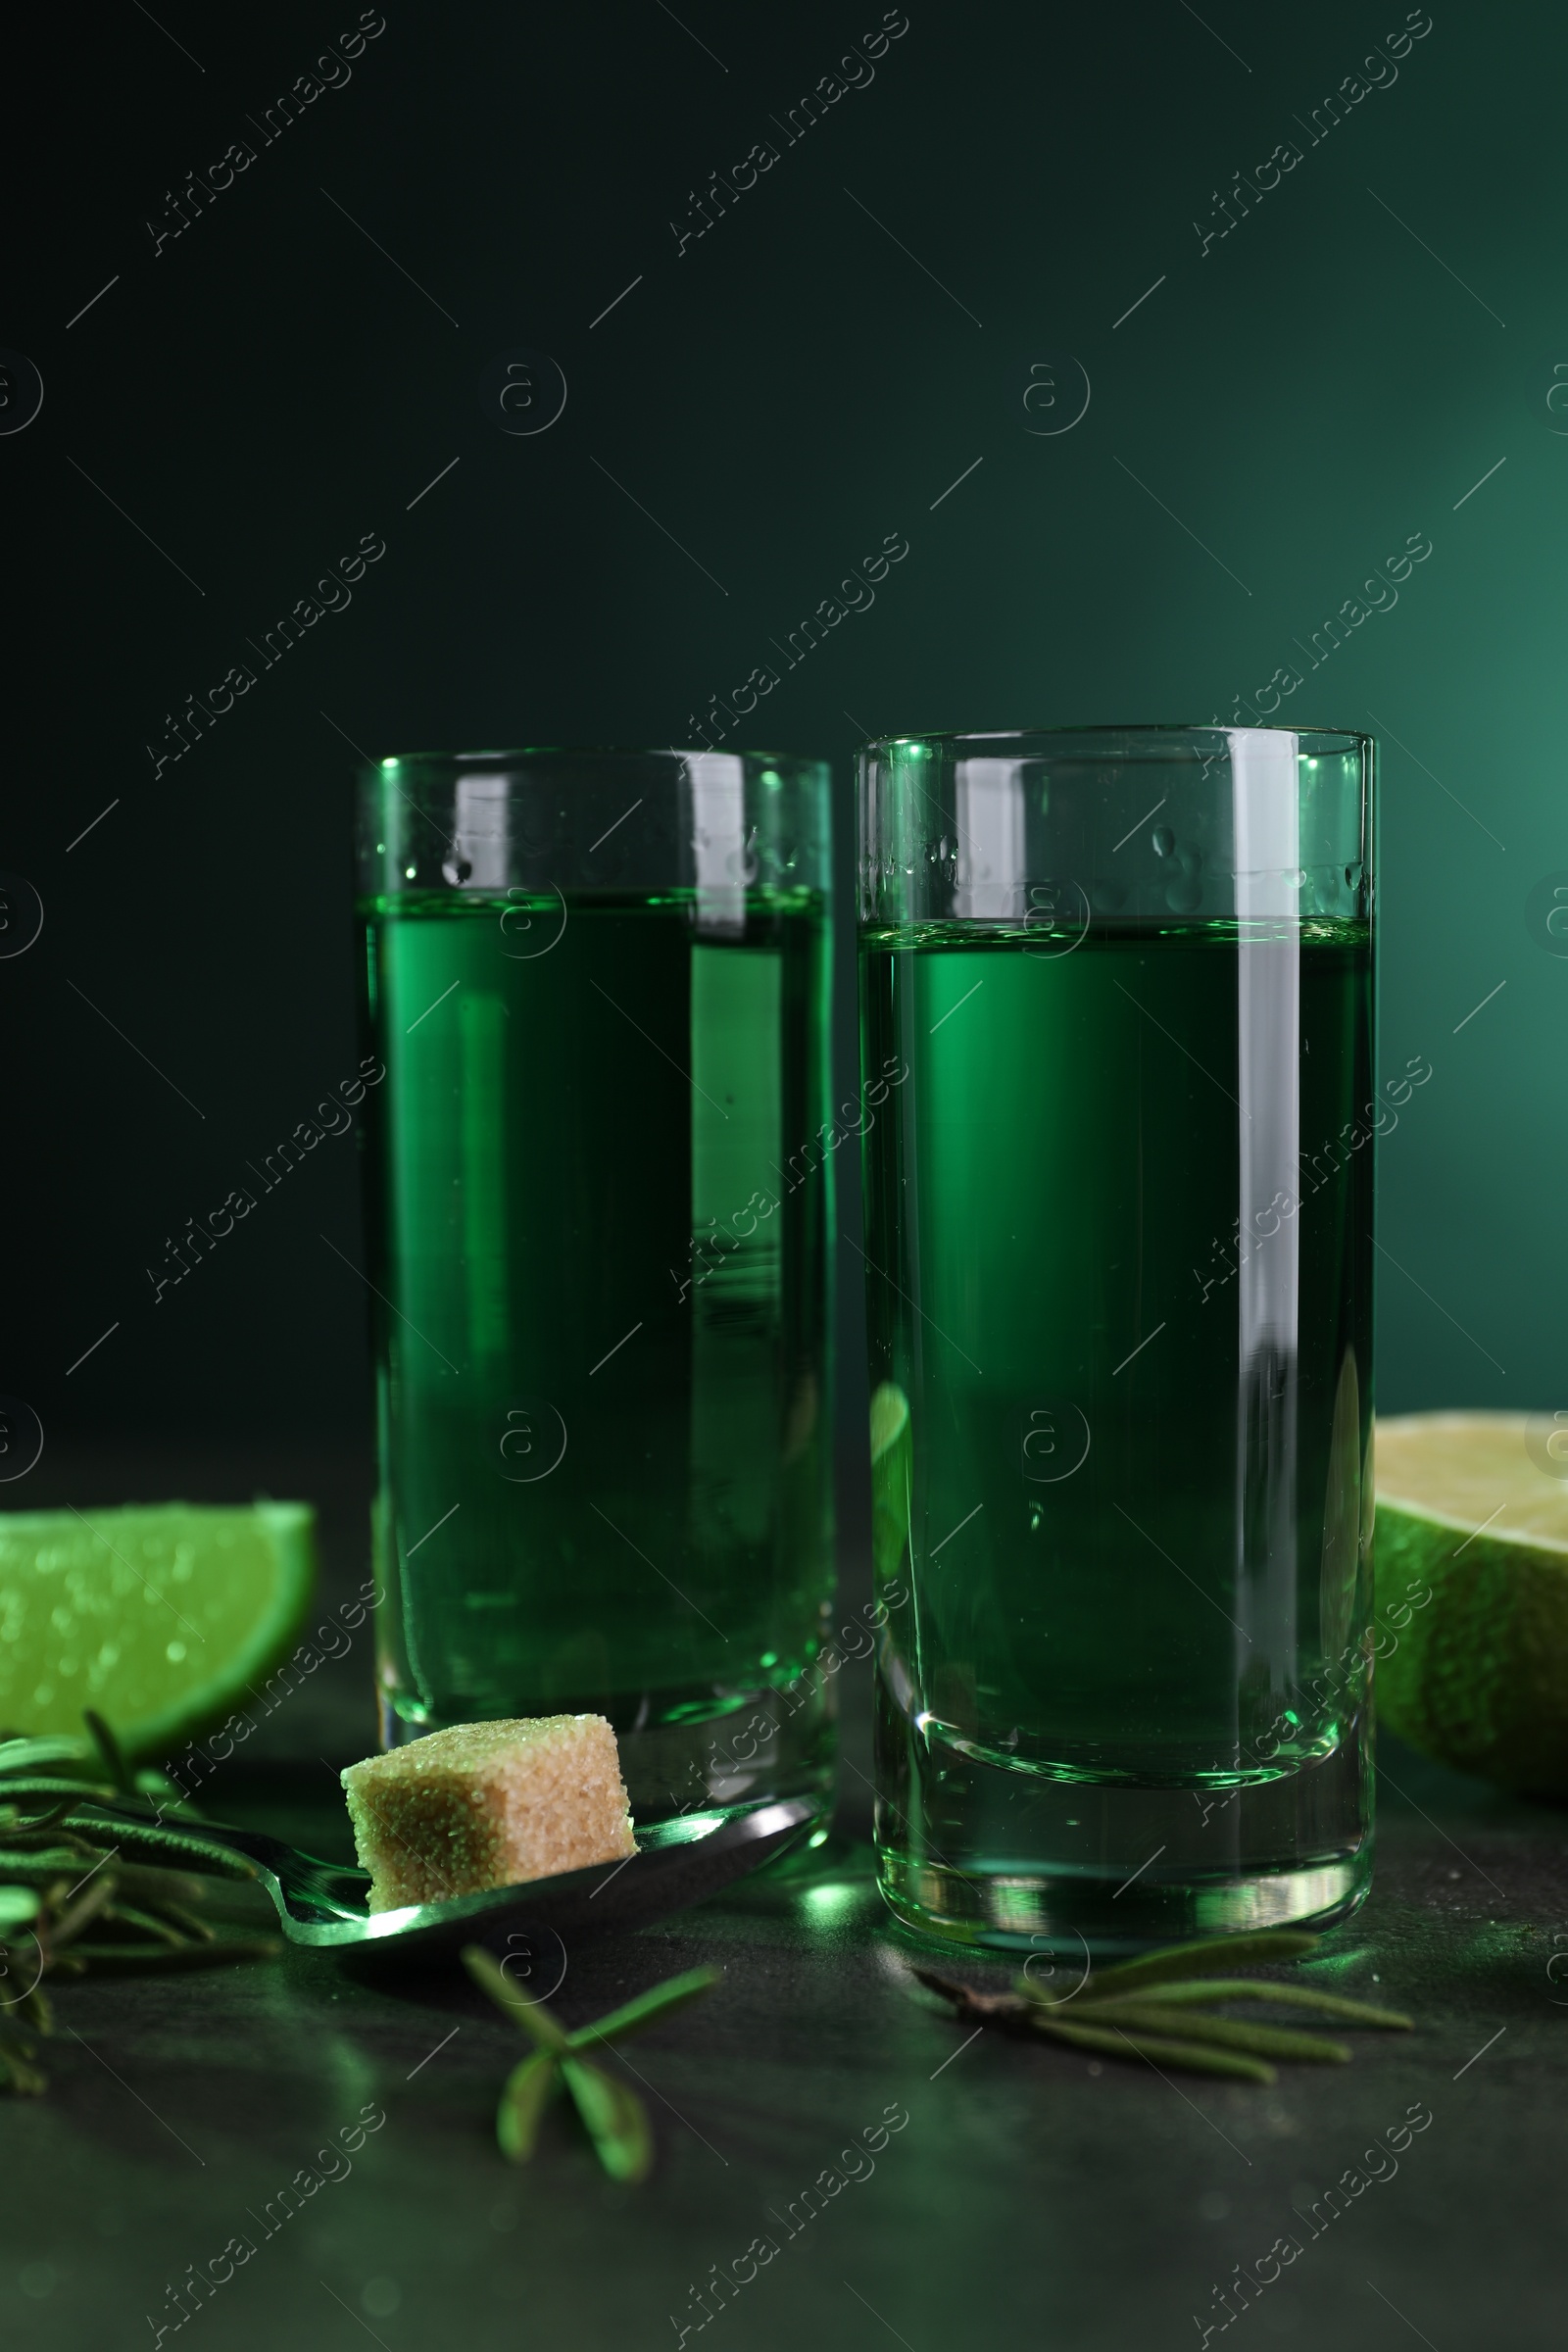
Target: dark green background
[(790, 390), (787, 391)]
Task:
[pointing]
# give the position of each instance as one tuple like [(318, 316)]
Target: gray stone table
[(965, 2193)]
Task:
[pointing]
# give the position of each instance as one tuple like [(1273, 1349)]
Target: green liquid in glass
[(1123, 1438), (602, 1335)]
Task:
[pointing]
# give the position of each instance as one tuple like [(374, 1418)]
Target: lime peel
[(1471, 1553)]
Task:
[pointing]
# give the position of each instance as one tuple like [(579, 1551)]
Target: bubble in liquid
[(1165, 841), (1185, 895), (457, 870)]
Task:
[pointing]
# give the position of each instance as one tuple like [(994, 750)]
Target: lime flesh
[(892, 1463), (158, 1617)]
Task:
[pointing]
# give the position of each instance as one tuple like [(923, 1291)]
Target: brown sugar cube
[(488, 1804)]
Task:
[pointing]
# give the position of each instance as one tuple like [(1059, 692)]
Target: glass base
[(977, 1855), (741, 1750), (1009, 1908)]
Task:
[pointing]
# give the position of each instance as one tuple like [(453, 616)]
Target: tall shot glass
[(1119, 1296), (598, 983)]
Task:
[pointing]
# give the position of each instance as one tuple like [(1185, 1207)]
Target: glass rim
[(1344, 737), (590, 818), (520, 754)]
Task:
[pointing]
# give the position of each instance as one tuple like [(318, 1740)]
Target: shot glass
[(1118, 1243), (598, 983)]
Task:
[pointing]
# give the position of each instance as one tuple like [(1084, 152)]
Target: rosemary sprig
[(1142, 2008), (614, 2116), (70, 1904)]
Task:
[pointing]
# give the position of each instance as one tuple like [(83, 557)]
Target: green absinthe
[(1120, 1234), (602, 1260)]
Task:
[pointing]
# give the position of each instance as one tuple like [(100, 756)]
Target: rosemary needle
[(1191, 2056), (1286, 1997)]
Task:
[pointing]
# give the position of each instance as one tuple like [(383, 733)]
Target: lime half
[(892, 1464), (1472, 1595), (159, 1617)]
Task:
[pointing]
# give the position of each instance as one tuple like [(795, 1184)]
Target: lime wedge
[(158, 1617), (892, 1468), (1472, 1594)]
